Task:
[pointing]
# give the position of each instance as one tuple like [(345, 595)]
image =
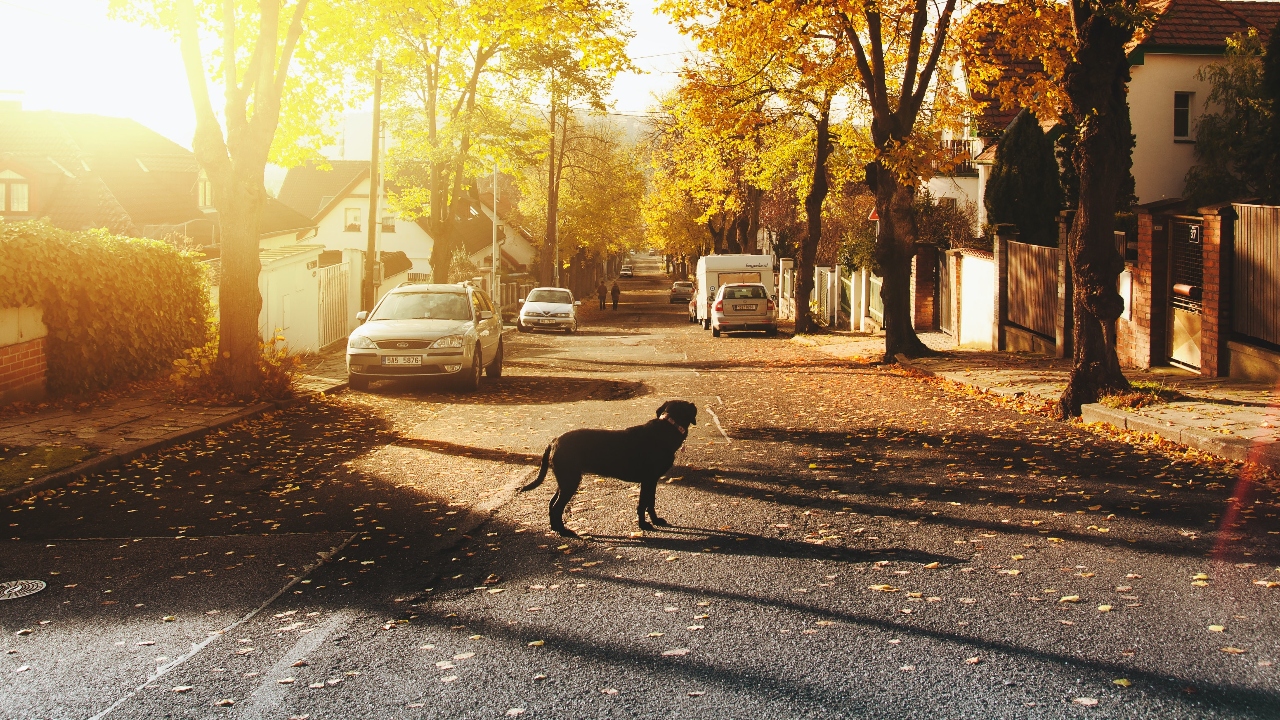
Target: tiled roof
[(994, 118), (1205, 24), (308, 188), (278, 218)]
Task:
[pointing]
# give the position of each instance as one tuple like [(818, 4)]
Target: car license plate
[(401, 359), (546, 321), (744, 307)]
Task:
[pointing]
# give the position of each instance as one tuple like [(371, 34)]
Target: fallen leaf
[(1085, 701), (933, 565), (1216, 628), (225, 702), (537, 643), (882, 588), (515, 711), (1104, 608), (286, 681), (1122, 682), (973, 661), (1233, 650), (1069, 599), (183, 689), (609, 691)]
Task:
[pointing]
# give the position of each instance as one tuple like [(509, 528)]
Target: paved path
[(1235, 419), (847, 542), (125, 425)]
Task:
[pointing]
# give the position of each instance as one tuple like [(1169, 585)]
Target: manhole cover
[(20, 588)]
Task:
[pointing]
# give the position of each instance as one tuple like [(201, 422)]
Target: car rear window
[(563, 297), (423, 306), (684, 285), (747, 292)]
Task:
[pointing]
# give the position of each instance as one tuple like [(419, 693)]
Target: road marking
[(719, 427), (271, 693), (197, 647)]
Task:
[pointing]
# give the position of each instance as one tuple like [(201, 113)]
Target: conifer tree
[(1024, 189)]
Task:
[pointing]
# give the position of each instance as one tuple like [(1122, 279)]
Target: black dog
[(639, 454)]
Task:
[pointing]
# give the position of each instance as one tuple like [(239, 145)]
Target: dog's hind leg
[(568, 485)]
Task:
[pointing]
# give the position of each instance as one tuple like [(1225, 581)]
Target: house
[(334, 194), (515, 244), (1166, 98), (91, 171)]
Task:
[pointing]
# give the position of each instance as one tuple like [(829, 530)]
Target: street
[(847, 540)]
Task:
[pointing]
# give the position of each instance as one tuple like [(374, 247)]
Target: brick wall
[(1215, 319), (1133, 336), (22, 370)]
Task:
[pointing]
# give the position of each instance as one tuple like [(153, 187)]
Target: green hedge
[(117, 308)]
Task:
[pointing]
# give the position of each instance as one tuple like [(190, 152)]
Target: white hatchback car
[(743, 306), (548, 308)]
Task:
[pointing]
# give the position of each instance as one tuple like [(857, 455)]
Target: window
[(352, 220), (14, 193), (1182, 115), (388, 223), (204, 191)]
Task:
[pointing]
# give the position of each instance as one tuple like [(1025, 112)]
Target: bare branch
[(939, 38), (290, 43), (913, 51)]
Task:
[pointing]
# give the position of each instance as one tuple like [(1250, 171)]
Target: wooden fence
[(1255, 306), (1033, 288), (334, 311)]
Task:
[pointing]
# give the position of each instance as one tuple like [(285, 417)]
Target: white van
[(717, 270)]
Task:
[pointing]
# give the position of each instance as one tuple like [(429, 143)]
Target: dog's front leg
[(648, 494)]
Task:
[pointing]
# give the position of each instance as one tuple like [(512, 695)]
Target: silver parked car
[(548, 308), (420, 330), (743, 306), (681, 291)]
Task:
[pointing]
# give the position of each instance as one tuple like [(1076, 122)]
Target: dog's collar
[(683, 430)]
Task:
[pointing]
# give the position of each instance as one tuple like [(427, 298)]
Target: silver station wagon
[(420, 330)]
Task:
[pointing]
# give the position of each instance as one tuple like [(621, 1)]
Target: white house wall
[(291, 300), (408, 238), (964, 189), (1160, 165)]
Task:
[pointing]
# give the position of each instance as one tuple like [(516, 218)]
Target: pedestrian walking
[(601, 292), (615, 291)]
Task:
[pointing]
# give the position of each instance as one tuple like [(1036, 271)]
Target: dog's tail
[(542, 471)]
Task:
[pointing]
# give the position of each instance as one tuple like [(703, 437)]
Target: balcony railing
[(956, 157)]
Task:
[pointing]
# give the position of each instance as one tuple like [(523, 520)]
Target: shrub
[(117, 308), (195, 375)]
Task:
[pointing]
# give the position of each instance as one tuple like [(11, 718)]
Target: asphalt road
[(848, 541)]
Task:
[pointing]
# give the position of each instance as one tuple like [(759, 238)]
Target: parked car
[(681, 291), (419, 330), (626, 271), (548, 308), (743, 306), (713, 271)]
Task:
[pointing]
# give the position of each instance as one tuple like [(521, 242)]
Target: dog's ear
[(662, 408)]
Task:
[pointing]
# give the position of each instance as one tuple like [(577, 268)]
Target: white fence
[(334, 309)]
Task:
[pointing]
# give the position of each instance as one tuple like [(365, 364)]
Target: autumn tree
[(246, 50), (1082, 45)]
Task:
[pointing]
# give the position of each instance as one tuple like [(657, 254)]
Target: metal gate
[(1186, 282), (334, 281), (943, 298), (1255, 305)]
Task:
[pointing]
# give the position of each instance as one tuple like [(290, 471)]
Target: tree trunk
[(240, 204), (813, 212), (895, 246), (754, 197), (1095, 83)]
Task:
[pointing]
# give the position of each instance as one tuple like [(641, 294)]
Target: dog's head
[(680, 412)]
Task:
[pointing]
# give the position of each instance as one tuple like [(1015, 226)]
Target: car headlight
[(448, 341), (560, 315), (360, 342)]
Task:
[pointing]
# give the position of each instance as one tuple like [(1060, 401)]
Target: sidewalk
[(43, 448), (1234, 419)]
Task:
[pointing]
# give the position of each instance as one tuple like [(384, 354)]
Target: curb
[(116, 459), (1230, 448)]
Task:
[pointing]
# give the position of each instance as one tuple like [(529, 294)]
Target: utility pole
[(371, 254), (495, 289)]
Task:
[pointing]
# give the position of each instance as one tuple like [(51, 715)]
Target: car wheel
[(495, 368), (521, 326), (471, 382), (772, 331), (706, 324), (357, 383), (715, 332)]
